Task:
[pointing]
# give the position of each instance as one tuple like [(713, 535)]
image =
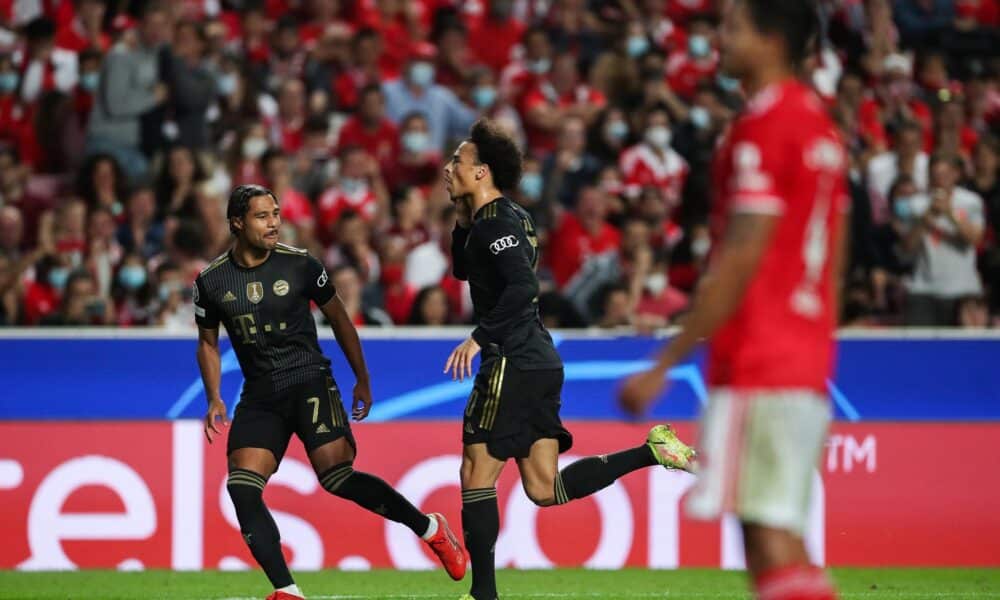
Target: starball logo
[(501, 244)]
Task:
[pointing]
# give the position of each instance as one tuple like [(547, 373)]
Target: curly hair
[(497, 150)]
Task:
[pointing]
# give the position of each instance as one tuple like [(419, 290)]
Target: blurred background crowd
[(124, 125)]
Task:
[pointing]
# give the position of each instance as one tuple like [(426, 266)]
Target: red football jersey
[(782, 157)]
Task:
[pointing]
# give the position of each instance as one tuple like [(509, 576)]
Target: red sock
[(794, 582)]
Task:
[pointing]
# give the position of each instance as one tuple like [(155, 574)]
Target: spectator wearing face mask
[(556, 97), (654, 162), (81, 303), (530, 69), (174, 310), (132, 293), (419, 161), (906, 158), (358, 188), (686, 68), (86, 87), (610, 135), (944, 236), (487, 98), (416, 92)]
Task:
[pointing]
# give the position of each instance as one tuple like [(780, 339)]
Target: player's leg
[(545, 485), (761, 452), (323, 426), (481, 516), (257, 440)]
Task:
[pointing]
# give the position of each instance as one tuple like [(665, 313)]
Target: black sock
[(372, 493), (258, 528), (589, 475), (481, 524)]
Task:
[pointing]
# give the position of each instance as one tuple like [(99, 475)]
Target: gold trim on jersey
[(217, 262), (286, 249)]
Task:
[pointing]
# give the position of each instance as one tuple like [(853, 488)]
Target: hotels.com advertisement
[(141, 494)]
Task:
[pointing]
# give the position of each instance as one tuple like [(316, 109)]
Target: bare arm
[(210, 365), (350, 345)]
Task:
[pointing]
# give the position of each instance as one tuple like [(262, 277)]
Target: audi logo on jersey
[(501, 244)]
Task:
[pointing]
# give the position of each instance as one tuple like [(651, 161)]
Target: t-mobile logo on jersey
[(501, 244)]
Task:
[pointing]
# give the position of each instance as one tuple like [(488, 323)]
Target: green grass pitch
[(867, 584)]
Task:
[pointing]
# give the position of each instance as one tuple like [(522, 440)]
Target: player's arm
[(322, 292), (718, 295), (509, 248), (209, 360)]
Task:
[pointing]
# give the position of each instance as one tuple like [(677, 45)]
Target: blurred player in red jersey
[(769, 302)]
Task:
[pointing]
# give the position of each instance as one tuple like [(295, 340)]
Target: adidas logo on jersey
[(229, 297), (322, 428)]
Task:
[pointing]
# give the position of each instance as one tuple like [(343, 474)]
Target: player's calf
[(246, 490)]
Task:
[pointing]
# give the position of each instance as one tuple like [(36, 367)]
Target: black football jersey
[(498, 255), (266, 311)]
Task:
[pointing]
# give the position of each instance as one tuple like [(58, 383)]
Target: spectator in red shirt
[(322, 14), (581, 235), (359, 188), (894, 104), (410, 217), (493, 40), (654, 162), (559, 95), (86, 29), (522, 75), (364, 69), (687, 67), (418, 163), (287, 127), (14, 119), (952, 134), (454, 60), (369, 128)]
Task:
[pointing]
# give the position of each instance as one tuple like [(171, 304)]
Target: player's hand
[(362, 400), (639, 390), (216, 412), (460, 361)]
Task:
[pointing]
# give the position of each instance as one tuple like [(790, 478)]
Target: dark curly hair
[(239, 201), (498, 151)]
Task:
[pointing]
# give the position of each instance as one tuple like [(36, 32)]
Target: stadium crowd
[(123, 126)]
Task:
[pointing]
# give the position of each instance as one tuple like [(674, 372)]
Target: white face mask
[(701, 246), (254, 148), (656, 283), (659, 137)]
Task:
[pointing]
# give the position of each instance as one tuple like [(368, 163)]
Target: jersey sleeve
[(507, 244), (205, 313), (758, 158), (318, 287)]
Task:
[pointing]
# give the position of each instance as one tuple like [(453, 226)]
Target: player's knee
[(334, 478), (541, 492)]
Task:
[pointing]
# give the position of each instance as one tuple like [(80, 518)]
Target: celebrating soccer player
[(769, 301), (513, 411), (261, 291)]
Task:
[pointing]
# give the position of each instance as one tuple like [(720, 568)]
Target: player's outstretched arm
[(210, 364), (718, 295), (350, 345)]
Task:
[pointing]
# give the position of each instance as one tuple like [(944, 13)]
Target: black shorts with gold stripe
[(312, 410), (510, 409)]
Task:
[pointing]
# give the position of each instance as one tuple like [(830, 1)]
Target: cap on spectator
[(123, 23), (423, 51), (899, 63)]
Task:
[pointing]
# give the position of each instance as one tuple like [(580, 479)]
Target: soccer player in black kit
[(261, 291), (513, 411)]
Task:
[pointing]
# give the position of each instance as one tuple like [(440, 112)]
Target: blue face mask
[(165, 289), (903, 208), (58, 277), (636, 46), (617, 130), (416, 142), (8, 81), (700, 117), (540, 66), (484, 96), (728, 84), (351, 185), (89, 81), (422, 74), (132, 277), (531, 185), (699, 46), (226, 84)]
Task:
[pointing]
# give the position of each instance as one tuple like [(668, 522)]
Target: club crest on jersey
[(280, 287), (501, 244), (255, 291)]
